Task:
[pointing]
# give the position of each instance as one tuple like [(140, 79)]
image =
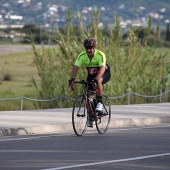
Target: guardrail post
[(61, 102), (128, 98), (128, 92), (21, 103), (160, 99)]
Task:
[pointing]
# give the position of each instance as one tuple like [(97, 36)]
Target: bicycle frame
[(83, 106), (85, 93)]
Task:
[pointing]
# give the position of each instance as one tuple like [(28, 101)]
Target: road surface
[(135, 148)]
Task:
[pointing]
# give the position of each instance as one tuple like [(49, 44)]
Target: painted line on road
[(111, 161)]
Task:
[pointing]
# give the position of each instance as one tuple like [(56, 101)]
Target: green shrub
[(135, 67)]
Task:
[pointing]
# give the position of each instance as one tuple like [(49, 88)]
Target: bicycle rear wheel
[(79, 115), (102, 121)]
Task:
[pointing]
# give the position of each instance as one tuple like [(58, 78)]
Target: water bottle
[(91, 103)]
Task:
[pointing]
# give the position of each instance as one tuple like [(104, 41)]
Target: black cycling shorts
[(106, 78)]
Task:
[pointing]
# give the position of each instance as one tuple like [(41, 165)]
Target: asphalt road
[(137, 148), (7, 49)]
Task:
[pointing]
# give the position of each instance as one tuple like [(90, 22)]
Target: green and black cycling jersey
[(93, 65)]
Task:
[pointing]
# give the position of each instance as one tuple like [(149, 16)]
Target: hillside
[(53, 12)]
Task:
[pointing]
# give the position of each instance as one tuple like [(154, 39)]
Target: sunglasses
[(89, 48)]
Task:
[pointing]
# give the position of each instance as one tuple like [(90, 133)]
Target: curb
[(137, 122), (67, 127), (39, 129)]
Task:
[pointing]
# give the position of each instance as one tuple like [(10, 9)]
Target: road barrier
[(61, 98)]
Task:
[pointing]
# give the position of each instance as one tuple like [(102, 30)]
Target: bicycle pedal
[(100, 113), (90, 124)]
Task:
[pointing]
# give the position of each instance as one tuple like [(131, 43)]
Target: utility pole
[(134, 9), (167, 31)]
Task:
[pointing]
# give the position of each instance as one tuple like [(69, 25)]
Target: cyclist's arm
[(74, 71)]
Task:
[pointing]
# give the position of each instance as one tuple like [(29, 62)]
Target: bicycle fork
[(91, 113)]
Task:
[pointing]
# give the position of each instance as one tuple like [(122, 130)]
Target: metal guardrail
[(21, 98)]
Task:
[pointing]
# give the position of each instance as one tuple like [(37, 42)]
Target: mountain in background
[(52, 13)]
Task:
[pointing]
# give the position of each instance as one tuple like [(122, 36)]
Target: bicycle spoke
[(79, 116)]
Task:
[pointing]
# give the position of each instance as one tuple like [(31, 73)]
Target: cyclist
[(98, 70)]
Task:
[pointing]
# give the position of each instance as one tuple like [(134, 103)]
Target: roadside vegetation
[(137, 65), (16, 72)]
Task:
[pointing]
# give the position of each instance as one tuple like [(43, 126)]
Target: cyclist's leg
[(103, 116), (103, 80), (106, 77)]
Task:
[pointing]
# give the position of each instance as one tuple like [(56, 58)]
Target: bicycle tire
[(79, 115), (102, 122)]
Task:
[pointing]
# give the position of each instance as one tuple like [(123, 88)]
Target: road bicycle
[(84, 114)]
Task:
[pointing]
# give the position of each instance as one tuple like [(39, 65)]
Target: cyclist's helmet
[(89, 43)]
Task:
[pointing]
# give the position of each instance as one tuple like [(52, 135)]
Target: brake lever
[(72, 88)]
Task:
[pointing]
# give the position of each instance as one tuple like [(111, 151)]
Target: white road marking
[(111, 161)]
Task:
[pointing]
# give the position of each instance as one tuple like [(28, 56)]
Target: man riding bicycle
[(98, 70)]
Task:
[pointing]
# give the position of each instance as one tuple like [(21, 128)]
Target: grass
[(21, 67)]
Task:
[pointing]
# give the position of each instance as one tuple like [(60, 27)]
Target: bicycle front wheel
[(79, 115), (102, 121)]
